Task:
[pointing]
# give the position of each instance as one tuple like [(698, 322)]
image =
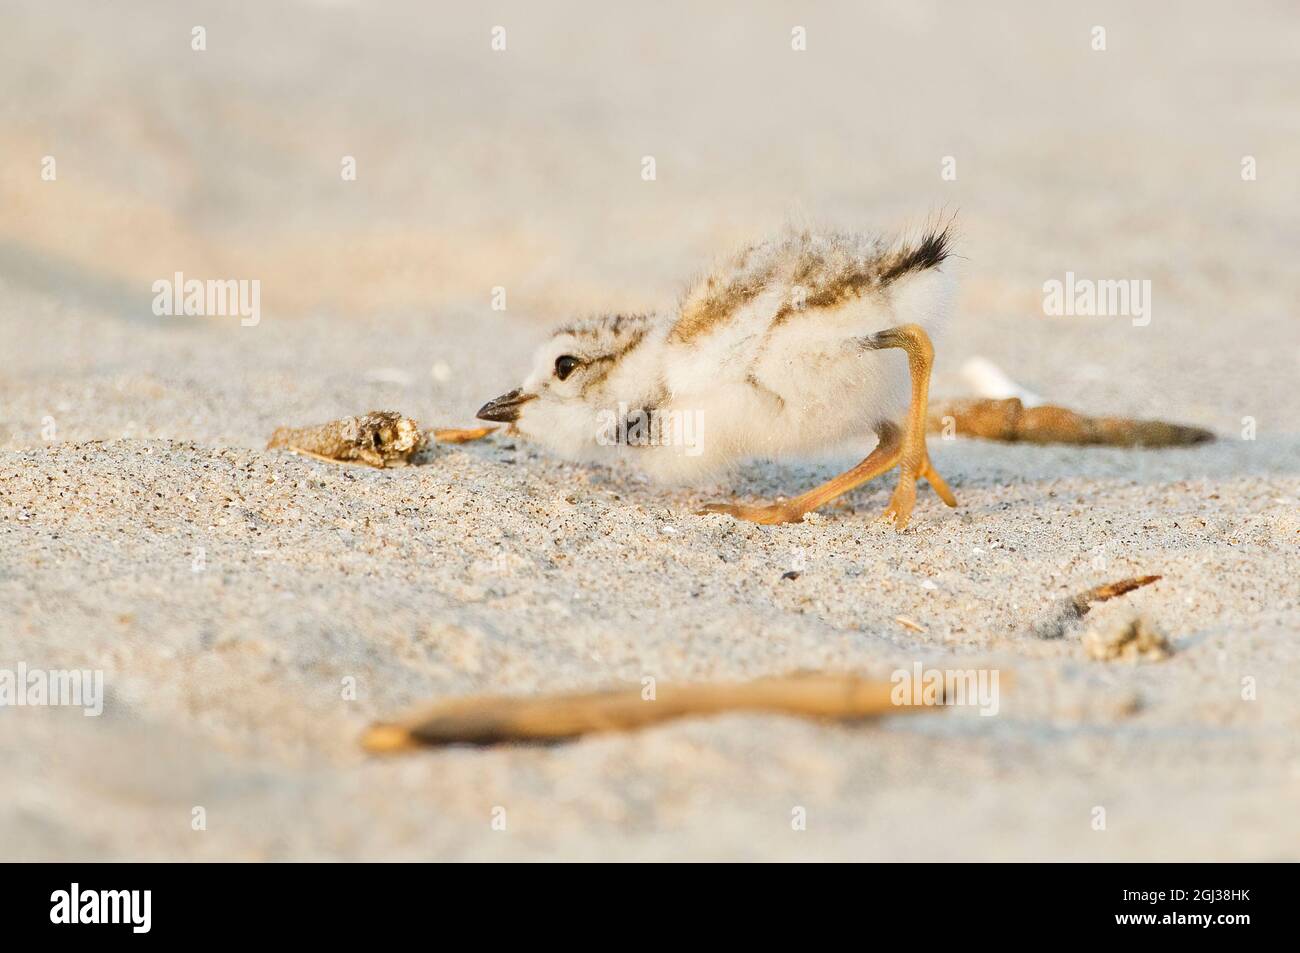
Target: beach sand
[(252, 611)]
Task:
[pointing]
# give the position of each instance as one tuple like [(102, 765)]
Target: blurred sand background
[(496, 568)]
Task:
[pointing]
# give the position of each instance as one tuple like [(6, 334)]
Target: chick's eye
[(564, 366)]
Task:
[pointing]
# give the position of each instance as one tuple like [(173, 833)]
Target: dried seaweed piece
[(378, 438), (1077, 606), (1136, 638), (484, 720), (1011, 422)]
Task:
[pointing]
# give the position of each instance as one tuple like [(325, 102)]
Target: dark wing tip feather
[(930, 252)]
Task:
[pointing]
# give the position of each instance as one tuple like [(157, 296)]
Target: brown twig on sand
[(1076, 607), (453, 435), (484, 720), (1010, 421), (1104, 593)]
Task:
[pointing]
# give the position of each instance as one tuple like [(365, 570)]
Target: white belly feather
[(804, 384)]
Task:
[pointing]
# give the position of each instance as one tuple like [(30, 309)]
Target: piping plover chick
[(788, 348)]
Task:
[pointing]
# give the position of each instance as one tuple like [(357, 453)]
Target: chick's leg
[(881, 460), (905, 449), (914, 460)]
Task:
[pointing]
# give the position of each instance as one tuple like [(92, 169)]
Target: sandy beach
[(253, 611)]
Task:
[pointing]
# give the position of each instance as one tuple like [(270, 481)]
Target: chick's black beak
[(505, 409)]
